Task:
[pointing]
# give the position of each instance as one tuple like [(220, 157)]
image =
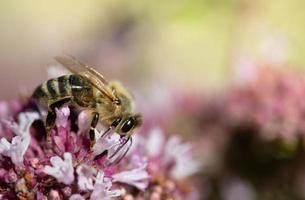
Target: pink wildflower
[(64, 166)]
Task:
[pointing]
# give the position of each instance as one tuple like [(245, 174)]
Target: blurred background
[(182, 43), (226, 75)]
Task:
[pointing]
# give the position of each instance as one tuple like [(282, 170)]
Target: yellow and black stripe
[(57, 87), (74, 86), (64, 85)]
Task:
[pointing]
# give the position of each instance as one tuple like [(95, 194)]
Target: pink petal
[(59, 143), (62, 116)]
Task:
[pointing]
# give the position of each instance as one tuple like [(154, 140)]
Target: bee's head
[(126, 124)]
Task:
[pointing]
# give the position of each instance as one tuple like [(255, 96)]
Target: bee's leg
[(95, 119), (51, 117), (50, 121)]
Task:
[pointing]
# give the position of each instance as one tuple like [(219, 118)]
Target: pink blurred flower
[(137, 177), (171, 152), (180, 154)]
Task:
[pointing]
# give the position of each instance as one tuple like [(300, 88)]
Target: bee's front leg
[(95, 119)]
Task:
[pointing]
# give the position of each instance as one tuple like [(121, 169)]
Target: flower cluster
[(170, 164), (265, 130), (252, 137), (65, 166), (271, 101)]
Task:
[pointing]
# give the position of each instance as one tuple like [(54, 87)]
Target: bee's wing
[(95, 78)]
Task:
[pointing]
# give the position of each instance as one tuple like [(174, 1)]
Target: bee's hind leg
[(51, 116), (50, 121), (95, 119)]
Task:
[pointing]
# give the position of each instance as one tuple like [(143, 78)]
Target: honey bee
[(108, 102)]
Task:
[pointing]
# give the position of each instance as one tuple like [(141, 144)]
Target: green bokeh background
[(190, 44)]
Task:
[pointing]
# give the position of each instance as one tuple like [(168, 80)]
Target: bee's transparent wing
[(119, 151), (94, 77)]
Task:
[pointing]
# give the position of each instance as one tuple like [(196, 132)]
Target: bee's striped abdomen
[(53, 90), (40, 92), (72, 86), (64, 86), (52, 87)]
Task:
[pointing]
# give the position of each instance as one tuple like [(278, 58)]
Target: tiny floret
[(102, 188), (62, 169), (86, 175), (62, 116), (25, 119), (16, 149), (76, 197), (138, 177)]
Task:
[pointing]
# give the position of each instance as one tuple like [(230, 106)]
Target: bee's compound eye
[(116, 122), (128, 125)]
